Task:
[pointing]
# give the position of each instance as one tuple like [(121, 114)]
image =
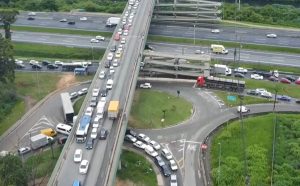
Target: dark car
[(71, 22), (103, 93), (20, 66), (149, 47), (263, 73), (52, 66), (107, 64), (36, 66), (94, 101), (159, 161), (166, 171), (272, 78), (103, 134), (253, 92), (45, 62), (89, 143), (113, 48), (283, 98), (298, 101), (291, 78), (240, 75), (30, 18), (284, 80), (62, 140), (131, 132)]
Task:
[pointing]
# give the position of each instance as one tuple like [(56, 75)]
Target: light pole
[(219, 169), (194, 35)]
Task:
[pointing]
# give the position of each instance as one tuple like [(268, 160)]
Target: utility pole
[(219, 168), (274, 135), (194, 35)]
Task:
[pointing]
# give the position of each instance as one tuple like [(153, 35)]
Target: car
[(243, 109), (31, 14), (199, 52), (89, 143), (30, 18), (256, 76), (261, 90), (149, 47), (89, 111), (240, 75), (298, 101), (63, 20), (284, 98), (45, 62), (103, 134), (113, 48), (145, 85), (24, 150), (58, 63), (120, 31), (123, 40), (20, 66), (173, 180), (166, 171), (272, 78), (118, 54), (83, 18), (82, 91), (84, 166), (139, 144), (144, 138), (111, 70), (32, 62), (131, 132), (263, 73), (266, 95), (52, 66), (124, 21), (110, 56), (150, 151), (94, 101), (103, 93), (154, 144), (159, 161), (94, 133), (286, 81), (297, 82), (100, 38), (94, 40), (291, 78), (95, 92), (125, 33), (17, 61), (73, 95), (36, 66), (253, 92), (62, 140), (215, 31), (173, 165), (77, 156), (115, 63), (71, 23), (130, 138), (271, 35), (102, 74), (120, 47), (166, 153)]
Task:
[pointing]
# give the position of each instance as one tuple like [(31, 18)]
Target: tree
[(7, 65), (7, 17), (49, 5)]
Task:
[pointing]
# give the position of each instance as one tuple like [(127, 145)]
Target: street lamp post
[(194, 35), (219, 169)]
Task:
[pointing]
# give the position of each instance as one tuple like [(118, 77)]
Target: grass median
[(150, 107)]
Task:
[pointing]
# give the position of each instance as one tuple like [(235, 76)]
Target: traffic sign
[(231, 98), (203, 146)]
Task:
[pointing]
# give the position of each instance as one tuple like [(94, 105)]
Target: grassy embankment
[(149, 106)]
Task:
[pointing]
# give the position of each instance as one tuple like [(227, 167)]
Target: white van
[(109, 84), (63, 128)]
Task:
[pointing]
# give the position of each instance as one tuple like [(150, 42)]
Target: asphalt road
[(97, 22), (84, 41)]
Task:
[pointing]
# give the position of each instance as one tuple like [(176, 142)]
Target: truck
[(100, 109), (222, 69), (83, 128), (112, 21), (221, 83), (39, 140), (218, 49), (113, 109), (67, 107)]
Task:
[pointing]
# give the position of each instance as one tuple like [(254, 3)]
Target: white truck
[(39, 141), (218, 49), (112, 21), (100, 109), (222, 69)]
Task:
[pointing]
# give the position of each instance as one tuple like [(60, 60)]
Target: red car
[(297, 81), (284, 80)]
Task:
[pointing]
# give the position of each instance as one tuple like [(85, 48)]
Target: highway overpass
[(104, 157)]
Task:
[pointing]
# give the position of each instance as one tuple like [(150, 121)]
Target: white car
[(123, 41), (59, 63), (149, 150), (82, 91), (83, 18), (110, 56), (241, 70), (130, 138), (167, 154), (33, 62), (95, 92), (77, 155), (32, 14), (100, 38), (120, 47), (173, 165), (102, 74), (261, 90), (271, 36), (130, 20), (215, 31), (266, 94), (94, 41), (17, 61), (125, 33), (155, 145), (111, 70), (144, 138), (63, 20), (256, 76), (89, 111), (124, 21), (24, 150), (173, 180), (94, 133), (84, 166), (120, 31), (242, 109), (139, 144), (115, 63), (145, 85)]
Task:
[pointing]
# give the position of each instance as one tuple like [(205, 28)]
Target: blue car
[(284, 98)]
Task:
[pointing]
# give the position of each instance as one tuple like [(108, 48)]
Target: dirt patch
[(65, 81), (125, 183)]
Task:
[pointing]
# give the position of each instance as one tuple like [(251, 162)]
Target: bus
[(67, 107), (70, 67)]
